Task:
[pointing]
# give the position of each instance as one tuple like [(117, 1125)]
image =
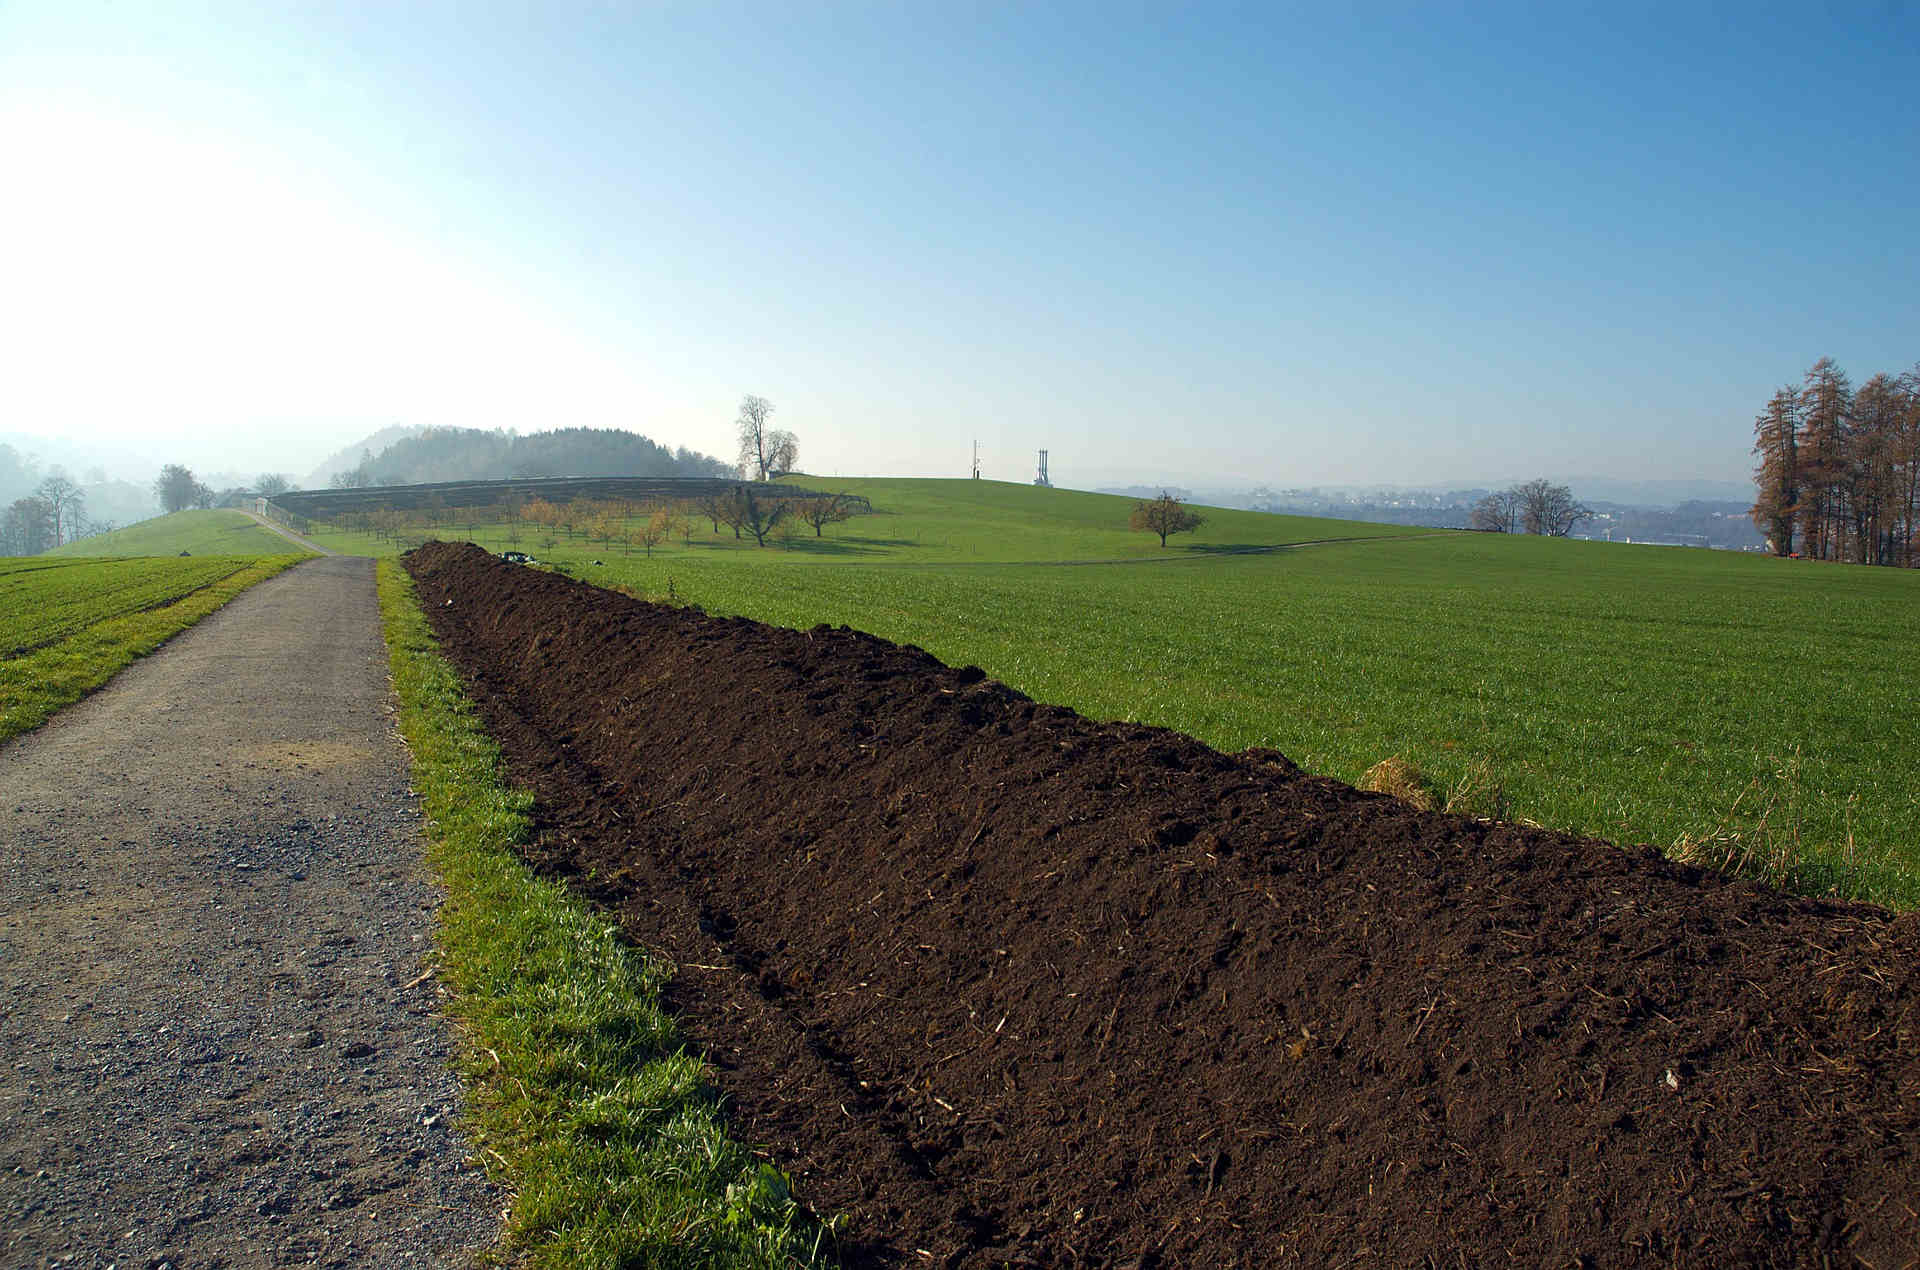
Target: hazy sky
[(1331, 243)]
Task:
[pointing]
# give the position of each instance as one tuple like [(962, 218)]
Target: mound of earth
[(1004, 985)]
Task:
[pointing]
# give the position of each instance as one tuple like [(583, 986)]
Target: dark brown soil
[(1005, 985)]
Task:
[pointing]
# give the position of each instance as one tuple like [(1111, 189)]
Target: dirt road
[(297, 540), (216, 1044)]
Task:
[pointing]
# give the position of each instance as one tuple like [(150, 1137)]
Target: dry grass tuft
[(1760, 834), (1396, 776), (1477, 794)]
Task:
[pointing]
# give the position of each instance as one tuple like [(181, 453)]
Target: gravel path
[(288, 534), (217, 1046)]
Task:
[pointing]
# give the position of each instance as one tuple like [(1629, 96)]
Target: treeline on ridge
[(1838, 476), (474, 454)]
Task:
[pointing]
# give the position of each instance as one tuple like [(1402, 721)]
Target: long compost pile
[(1006, 986)]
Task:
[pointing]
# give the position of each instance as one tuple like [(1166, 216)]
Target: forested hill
[(470, 454)]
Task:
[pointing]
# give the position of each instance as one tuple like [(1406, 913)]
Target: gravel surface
[(219, 1043), (296, 539)]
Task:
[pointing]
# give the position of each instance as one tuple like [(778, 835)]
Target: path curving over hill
[(298, 540), (1005, 985), (214, 918)]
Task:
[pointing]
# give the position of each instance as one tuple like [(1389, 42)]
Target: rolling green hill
[(1752, 711), (985, 522), (209, 533), (916, 522)]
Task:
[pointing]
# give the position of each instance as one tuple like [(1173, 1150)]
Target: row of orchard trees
[(1838, 476), (647, 524)]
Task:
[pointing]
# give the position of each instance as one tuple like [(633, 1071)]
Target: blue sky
[(1203, 244)]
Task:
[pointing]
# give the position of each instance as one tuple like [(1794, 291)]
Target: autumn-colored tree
[(1839, 469), (1777, 476), (1826, 401), (540, 512), (1872, 483), (1165, 515), (1906, 471), (388, 522), (654, 530)]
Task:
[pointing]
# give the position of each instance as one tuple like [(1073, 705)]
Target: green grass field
[(68, 625), (590, 1110), (929, 522), (46, 599), (1759, 709), (210, 533)]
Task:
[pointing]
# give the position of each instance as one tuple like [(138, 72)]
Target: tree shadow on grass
[(845, 546), (1228, 548)]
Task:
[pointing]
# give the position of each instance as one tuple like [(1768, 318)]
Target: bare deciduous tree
[(830, 509), (68, 503), (764, 450), (1164, 515), (756, 514), (1546, 508), (1489, 516), (713, 507), (785, 455)]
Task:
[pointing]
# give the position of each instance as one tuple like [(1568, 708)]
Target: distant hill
[(1660, 493), (348, 457), (435, 455)]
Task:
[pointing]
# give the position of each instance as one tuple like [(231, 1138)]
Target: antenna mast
[(1042, 478), (976, 460)]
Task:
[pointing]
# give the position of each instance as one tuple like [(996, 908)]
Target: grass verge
[(35, 684), (582, 1098)]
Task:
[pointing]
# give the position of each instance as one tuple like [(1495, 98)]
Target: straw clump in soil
[(1003, 985)]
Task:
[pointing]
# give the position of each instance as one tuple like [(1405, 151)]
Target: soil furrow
[(1130, 1001)]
